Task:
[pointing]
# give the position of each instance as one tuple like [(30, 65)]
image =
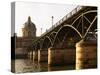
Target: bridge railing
[(78, 8)]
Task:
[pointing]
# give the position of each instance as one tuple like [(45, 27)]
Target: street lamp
[(52, 21)]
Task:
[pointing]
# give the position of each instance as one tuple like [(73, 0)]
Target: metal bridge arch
[(78, 27), (69, 26), (83, 15), (76, 24), (52, 36), (46, 42), (90, 20)]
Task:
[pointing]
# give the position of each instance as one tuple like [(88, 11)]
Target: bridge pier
[(35, 55), (60, 56), (30, 55), (86, 55), (42, 55)]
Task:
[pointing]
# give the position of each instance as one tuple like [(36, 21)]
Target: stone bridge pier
[(86, 54), (35, 55), (40, 55), (83, 56), (61, 56), (43, 55), (30, 54)]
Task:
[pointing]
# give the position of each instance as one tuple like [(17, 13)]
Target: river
[(27, 65)]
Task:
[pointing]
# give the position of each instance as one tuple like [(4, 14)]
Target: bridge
[(72, 40)]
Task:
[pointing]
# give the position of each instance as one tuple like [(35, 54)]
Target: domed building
[(29, 35), (29, 29)]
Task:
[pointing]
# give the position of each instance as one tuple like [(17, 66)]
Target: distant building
[(29, 29), (29, 35)]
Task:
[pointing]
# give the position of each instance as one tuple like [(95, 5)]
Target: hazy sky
[(40, 13)]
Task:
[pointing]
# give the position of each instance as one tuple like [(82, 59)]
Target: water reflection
[(27, 65)]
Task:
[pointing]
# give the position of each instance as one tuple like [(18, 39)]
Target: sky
[(40, 14)]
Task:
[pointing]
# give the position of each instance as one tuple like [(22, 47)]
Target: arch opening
[(46, 43), (66, 36)]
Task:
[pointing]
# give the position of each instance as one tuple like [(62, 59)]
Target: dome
[(29, 23), (29, 29)]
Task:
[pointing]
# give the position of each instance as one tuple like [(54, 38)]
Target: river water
[(27, 65)]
